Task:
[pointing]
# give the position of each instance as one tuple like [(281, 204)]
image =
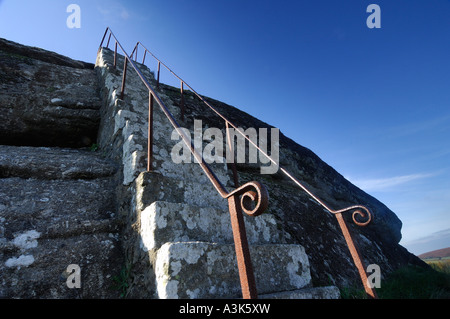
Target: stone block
[(198, 191), (329, 292), (47, 99), (53, 163), (163, 222), (207, 270)]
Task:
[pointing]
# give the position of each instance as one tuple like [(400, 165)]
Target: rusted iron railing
[(358, 209), (260, 197), (239, 200)]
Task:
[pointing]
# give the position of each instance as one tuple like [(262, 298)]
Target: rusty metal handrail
[(244, 189), (360, 210), (249, 192)]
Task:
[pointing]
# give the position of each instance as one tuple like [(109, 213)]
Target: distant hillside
[(439, 253)]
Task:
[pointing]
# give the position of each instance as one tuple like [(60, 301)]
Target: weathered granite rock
[(40, 272), (163, 222), (61, 207), (47, 99), (204, 270), (306, 222), (57, 208), (57, 205), (41, 54), (301, 162), (329, 292), (301, 217), (53, 163), (175, 213)]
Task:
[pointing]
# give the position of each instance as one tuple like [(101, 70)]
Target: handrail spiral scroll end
[(254, 198), (359, 212)]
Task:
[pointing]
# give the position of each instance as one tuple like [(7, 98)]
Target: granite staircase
[(57, 209), (193, 254), (63, 204), (182, 244), (57, 193)]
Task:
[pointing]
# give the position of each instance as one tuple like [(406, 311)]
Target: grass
[(121, 281), (440, 264), (410, 282), (353, 292), (416, 283)]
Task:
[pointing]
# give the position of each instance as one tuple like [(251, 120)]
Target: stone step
[(163, 222), (53, 163), (208, 270), (329, 292), (196, 190), (47, 99), (47, 225), (57, 208), (183, 241), (35, 267)]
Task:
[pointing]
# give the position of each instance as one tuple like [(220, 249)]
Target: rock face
[(308, 223), (168, 230), (298, 219), (57, 204), (55, 212), (179, 239), (47, 99)]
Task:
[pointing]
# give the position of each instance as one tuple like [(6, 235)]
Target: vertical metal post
[(143, 59), (109, 38), (231, 147), (103, 39), (182, 101), (124, 78), (132, 52), (157, 79), (115, 55), (244, 262), (356, 257), (150, 132)]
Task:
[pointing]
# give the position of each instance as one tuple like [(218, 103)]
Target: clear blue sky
[(372, 103)]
